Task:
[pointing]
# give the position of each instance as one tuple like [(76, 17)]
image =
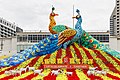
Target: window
[(1, 21), (39, 37), (21, 39), (10, 25), (5, 23), (97, 37), (100, 38), (118, 38), (1, 35), (117, 4), (104, 38), (114, 16), (30, 38), (24, 38), (34, 38), (111, 24)]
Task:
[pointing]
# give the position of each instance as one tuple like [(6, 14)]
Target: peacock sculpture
[(89, 42), (69, 36), (53, 28), (52, 21), (62, 39)]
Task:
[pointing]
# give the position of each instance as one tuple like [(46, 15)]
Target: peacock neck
[(52, 24), (78, 24), (52, 21)]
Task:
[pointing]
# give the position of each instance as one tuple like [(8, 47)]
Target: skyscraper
[(114, 39), (8, 38), (7, 29), (115, 20)]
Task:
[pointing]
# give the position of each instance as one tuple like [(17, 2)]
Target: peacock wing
[(66, 35), (59, 28)]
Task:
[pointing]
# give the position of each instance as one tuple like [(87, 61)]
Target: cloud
[(34, 14)]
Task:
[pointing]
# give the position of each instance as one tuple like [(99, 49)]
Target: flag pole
[(73, 16)]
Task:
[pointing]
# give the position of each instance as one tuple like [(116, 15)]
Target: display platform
[(67, 54)]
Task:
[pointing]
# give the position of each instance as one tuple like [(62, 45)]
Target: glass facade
[(30, 38), (27, 40), (101, 38)]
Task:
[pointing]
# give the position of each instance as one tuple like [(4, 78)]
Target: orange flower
[(94, 46), (90, 40)]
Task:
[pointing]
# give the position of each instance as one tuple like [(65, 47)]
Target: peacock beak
[(74, 17), (56, 15)]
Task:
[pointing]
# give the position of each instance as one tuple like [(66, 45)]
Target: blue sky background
[(34, 14)]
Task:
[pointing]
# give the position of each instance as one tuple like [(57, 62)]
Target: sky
[(34, 14)]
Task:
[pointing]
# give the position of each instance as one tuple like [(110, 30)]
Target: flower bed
[(100, 59)]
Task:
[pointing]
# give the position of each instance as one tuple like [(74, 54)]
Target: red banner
[(71, 66)]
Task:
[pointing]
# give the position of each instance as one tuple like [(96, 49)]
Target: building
[(27, 39), (115, 20), (7, 37), (115, 42), (18, 30), (102, 36), (8, 46), (115, 27), (24, 40), (7, 29)]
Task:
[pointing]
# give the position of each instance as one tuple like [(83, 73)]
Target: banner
[(71, 66)]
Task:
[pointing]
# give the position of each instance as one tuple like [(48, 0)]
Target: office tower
[(115, 20)]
